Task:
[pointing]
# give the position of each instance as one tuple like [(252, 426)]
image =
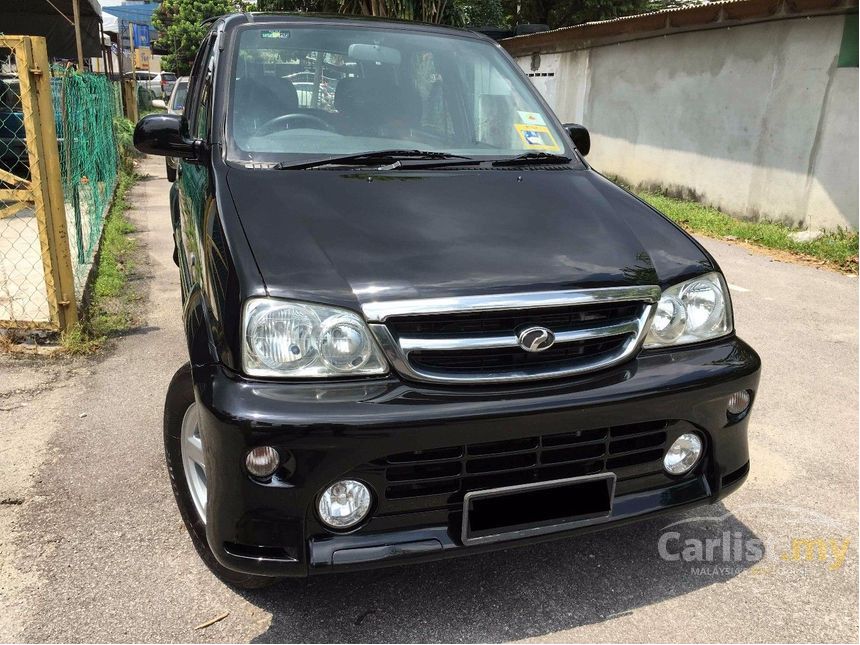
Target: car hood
[(349, 237)]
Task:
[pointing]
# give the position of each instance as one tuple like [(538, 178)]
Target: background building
[(749, 106)]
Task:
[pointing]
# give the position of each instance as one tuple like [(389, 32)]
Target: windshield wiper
[(531, 158), (377, 157)]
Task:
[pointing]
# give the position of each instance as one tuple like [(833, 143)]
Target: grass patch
[(109, 307), (77, 340), (124, 131), (836, 249)]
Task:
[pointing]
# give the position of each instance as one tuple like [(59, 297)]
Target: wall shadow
[(517, 593)]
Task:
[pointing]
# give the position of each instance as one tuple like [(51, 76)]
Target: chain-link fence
[(58, 171)]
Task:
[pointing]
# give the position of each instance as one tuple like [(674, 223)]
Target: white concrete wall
[(756, 120)]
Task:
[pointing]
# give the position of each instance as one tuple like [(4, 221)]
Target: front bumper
[(325, 431)]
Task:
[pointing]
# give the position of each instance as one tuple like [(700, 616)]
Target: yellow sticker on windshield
[(536, 137), (532, 118)]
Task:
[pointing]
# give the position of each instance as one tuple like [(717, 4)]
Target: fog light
[(739, 402), (262, 461), (683, 454), (344, 504)]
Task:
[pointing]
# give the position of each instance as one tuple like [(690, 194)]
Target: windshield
[(307, 92)]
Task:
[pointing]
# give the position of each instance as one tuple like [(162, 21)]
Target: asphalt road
[(92, 547)]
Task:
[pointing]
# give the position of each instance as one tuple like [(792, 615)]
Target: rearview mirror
[(166, 135), (374, 54), (580, 137), (159, 103)]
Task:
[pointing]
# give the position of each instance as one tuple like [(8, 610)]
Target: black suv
[(419, 324)]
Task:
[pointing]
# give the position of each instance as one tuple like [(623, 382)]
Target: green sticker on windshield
[(274, 33)]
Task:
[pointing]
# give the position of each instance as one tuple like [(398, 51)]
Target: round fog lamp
[(738, 402), (683, 454), (262, 461), (344, 504)]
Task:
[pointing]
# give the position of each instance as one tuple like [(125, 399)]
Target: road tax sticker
[(532, 118), (536, 137), (275, 33)]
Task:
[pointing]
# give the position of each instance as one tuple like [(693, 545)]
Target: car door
[(195, 186)]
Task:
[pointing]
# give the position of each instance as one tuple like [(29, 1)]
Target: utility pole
[(105, 56), (76, 11), (131, 47)]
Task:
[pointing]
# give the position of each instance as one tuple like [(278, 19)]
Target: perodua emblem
[(536, 339)]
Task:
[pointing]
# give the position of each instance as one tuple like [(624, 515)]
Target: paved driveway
[(92, 547)]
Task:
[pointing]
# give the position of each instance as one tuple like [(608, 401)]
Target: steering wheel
[(277, 123)]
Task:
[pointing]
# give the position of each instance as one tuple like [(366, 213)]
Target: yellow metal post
[(133, 73), (45, 178), (129, 96)]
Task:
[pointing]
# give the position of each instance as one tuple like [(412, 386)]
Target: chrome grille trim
[(397, 350), (380, 311), (409, 344)]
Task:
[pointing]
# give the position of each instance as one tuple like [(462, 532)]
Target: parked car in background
[(159, 83), (13, 143), (174, 105), (13, 137), (419, 324)]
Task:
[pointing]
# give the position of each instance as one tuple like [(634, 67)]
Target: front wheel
[(183, 447), (171, 172)]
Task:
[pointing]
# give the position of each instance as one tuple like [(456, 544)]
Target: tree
[(436, 11), (305, 6), (179, 21), (563, 13), (657, 5), (482, 13), (180, 29)]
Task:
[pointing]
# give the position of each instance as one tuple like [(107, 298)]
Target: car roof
[(342, 20)]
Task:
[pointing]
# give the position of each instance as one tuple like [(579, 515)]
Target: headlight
[(692, 311), (284, 338)]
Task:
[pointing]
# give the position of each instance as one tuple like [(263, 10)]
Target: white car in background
[(175, 105), (161, 84)]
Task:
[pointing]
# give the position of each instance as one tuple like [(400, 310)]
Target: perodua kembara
[(419, 324)]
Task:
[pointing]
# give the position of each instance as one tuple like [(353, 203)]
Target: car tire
[(171, 172), (180, 396)]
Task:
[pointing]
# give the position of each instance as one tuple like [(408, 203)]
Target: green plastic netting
[(85, 106)]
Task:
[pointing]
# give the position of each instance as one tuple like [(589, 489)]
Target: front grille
[(511, 358), (442, 476), (483, 338)]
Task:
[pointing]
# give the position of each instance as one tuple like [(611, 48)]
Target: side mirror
[(166, 135), (580, 137), (159, 103)]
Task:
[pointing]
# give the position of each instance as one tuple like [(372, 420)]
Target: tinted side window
[(195, 85), (200, 130)]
